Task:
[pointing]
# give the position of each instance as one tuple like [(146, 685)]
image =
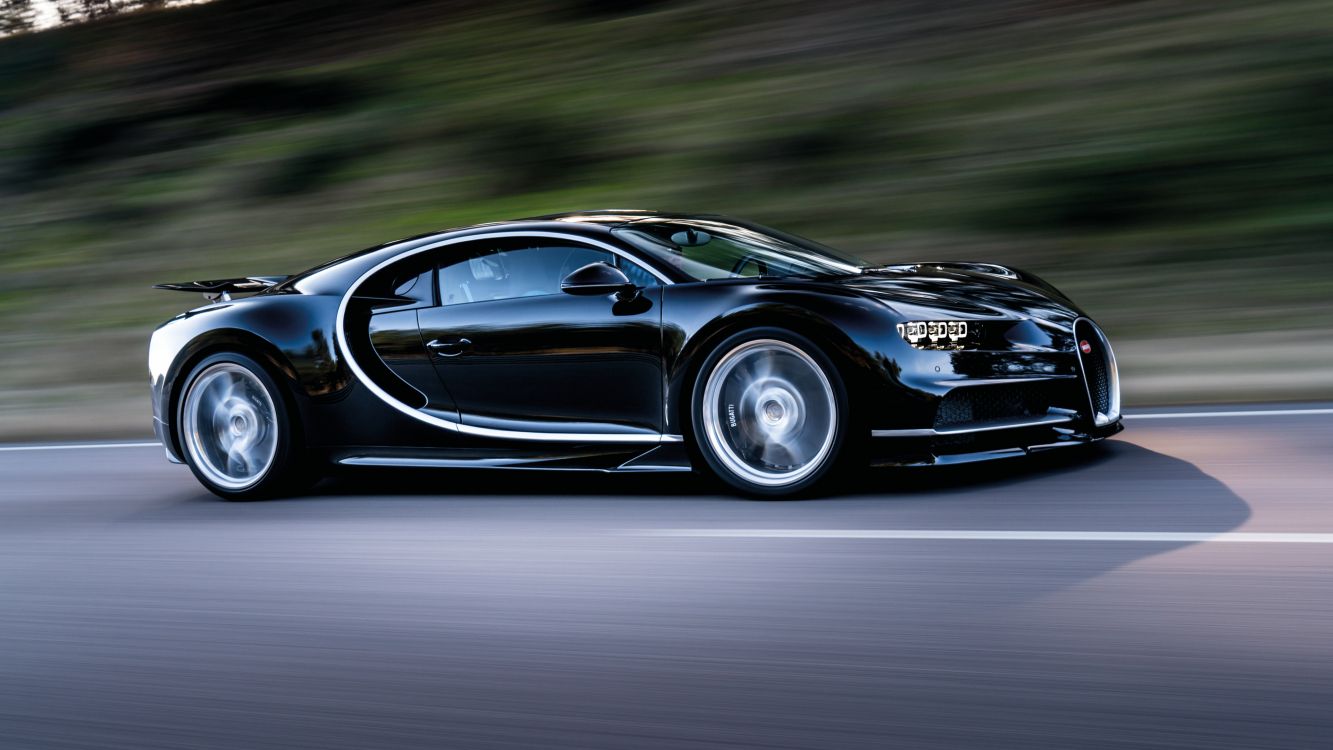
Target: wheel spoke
[(237, 463), (776, 455), (225, 388), (796, 451), (215, 394), (762, 366)]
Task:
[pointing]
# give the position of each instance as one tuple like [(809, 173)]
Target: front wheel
[(237, 435), (769, 412)]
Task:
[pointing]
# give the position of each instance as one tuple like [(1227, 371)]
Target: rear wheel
[(235, 428), (770, 412)]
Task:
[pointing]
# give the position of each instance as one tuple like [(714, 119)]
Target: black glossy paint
[(574, 362), (606, 364)]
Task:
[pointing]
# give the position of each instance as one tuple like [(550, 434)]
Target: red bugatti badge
[(1085, 346)]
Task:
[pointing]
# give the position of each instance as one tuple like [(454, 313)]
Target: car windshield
[(706, 249)]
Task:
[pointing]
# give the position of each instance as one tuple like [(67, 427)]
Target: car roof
[(616, 216), (341, 271), (597, 220)]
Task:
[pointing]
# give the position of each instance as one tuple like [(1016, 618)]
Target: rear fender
[(213, 342)]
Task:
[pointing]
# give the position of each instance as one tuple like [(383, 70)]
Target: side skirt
[(659, 458)]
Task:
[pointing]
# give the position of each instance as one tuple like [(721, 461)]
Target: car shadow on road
[(1112, 485), (1116, 486)]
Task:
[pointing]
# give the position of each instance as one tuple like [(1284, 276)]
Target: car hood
[(973, 291)]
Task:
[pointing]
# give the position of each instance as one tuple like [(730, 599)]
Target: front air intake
[(1097, 362), (979, 405)]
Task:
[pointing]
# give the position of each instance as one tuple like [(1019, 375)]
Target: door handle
[(449, 348)]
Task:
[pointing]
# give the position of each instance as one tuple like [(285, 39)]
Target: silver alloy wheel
[(230, 426), (769, 413)]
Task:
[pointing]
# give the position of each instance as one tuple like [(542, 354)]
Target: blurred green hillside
[(1169, 164)]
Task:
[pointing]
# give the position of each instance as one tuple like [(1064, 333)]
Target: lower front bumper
[(163, 434), (929, 448)]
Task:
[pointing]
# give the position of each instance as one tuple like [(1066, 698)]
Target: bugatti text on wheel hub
[(626, 341), (771, 413)]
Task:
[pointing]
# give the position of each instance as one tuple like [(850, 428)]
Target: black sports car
[(623, 341)]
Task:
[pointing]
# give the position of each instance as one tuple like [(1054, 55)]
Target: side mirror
[(597, 279)]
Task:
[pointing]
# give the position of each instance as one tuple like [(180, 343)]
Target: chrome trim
[(1112, 375), (1013, 424), (413, 462), (436, 463), (1052, 324), (970, 382), (649, 460), (459, 427), (949, 459), (1042, 447)]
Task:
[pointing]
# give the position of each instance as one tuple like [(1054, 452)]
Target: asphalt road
[(1125, 607)]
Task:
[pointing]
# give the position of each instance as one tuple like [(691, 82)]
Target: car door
[(517, 354)]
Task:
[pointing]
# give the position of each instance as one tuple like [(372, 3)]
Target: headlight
[(935, 334)]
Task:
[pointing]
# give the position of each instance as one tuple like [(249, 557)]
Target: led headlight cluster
[(934, 334)]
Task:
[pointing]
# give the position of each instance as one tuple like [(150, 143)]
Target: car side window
[(488, 273), (414, 287), (637, 274), (749, 267)]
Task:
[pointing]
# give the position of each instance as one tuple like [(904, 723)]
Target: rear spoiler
[(220, 290)]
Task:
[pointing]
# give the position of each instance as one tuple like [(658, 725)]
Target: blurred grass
[(1169, 164)]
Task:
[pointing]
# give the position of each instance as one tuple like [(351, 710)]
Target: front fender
[(853, 331)]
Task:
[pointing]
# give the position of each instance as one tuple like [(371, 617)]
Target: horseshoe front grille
[(1097, 362)]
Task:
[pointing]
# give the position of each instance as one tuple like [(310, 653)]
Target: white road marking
[(1251, 413), (1001, 536), (76, 446)]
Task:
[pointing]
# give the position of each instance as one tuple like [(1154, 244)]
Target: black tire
[(742, 414), (289, 470)]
